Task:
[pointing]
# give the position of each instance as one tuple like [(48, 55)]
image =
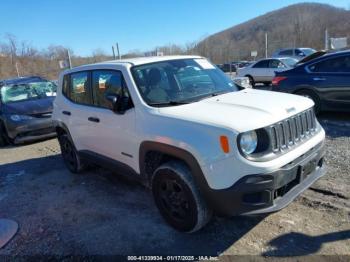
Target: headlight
[(18, 118), (248, 142)]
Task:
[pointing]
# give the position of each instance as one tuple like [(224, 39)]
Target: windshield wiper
[(169, 103), (213, 94)]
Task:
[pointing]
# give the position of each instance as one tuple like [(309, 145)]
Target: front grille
[(292, 130)]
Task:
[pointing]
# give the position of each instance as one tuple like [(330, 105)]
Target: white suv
[(201, 143)]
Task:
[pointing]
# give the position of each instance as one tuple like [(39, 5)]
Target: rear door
[(331, 77), (259, 71), (76, 109)]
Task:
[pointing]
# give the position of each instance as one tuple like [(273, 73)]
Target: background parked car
[(25, 109), (234, 66), (297, 53), (263, 71), (326, 80), (227, 68)]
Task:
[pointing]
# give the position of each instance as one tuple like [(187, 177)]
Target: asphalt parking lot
[(102, 213)]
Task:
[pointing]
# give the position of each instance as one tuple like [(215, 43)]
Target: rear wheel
[(178, 198), (70, 154), (311, 95)]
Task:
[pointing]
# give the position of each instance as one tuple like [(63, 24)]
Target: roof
[(21, 80), (147, 59)]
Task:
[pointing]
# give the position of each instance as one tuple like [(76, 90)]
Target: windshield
[(27, 91), (289, 61), (180, 81)]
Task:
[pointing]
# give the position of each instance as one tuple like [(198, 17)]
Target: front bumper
[(30, 130), (266, 193)]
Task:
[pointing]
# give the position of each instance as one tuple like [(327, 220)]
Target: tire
[(70, 155), (178, 198), (251, 81), (4, 139), (313, 97)]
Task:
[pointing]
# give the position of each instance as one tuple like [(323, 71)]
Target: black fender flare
[(63, 126), (180, 154)]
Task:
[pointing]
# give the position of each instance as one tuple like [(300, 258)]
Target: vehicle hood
[(30, 107), (241, 111)]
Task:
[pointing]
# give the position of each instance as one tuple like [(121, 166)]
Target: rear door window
[(262, 64), (79, 88), (332, 65), (287, 52)]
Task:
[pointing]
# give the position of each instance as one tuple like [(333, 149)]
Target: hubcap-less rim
[(68, 153), (174, 199)]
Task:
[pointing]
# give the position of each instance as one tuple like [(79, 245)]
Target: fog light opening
[(320, 162)]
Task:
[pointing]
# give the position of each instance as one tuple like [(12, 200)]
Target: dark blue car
[(25, 109), (325, 79)]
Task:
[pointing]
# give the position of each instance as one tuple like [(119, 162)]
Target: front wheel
[(70, 154), (178, 198)]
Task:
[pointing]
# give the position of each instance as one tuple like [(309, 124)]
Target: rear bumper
[(30, 130), (266, 193)]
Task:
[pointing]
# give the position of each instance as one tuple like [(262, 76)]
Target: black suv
[(25, 109), (325, 79)]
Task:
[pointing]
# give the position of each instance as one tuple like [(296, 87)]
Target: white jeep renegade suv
[(201, 143)]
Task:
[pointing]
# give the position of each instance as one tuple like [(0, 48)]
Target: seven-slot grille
[(293, 130)]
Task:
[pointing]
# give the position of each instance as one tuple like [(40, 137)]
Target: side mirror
[(114, 101)]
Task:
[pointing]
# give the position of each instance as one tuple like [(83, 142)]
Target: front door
[(331, 78), (114, 133)]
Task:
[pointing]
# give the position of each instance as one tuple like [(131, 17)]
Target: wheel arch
[(153, 154), (312, 90), (305, 88), (61, 128)]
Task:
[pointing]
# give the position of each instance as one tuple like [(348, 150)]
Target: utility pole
[(118, 51), (326, 40), (265, 45), (69, 59), (17, 69), (113, 53)]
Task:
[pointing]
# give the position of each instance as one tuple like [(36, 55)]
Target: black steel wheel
[(178, 198)]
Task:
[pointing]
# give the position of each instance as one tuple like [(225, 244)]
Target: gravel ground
[(100, 213)]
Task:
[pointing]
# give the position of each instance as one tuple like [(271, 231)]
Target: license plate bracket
[(307, 168)]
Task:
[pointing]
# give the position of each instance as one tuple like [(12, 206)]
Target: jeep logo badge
[(290, 110)]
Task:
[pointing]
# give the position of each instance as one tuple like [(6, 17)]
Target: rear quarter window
[(65, 86)]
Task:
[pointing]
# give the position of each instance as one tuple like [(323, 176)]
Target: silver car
[(297, 53), (263, 71)]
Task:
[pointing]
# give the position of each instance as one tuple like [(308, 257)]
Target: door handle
[(319, 78), (66, 113), (94, 119)]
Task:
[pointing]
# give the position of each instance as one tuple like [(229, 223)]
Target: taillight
[(277, 79)]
